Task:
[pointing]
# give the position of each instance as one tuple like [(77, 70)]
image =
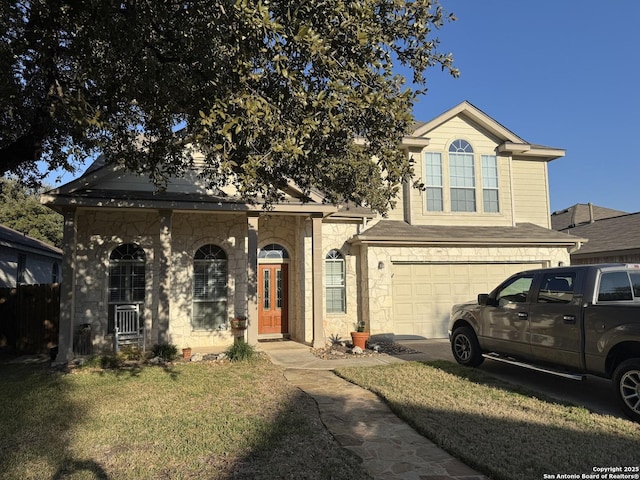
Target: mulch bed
[(344, 350)]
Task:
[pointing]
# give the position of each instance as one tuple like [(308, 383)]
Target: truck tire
[(465, 347), (626, 386)]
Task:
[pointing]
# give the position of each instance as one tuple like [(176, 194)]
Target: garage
[(423, 293)]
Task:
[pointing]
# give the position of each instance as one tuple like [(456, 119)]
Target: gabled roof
[(581, 213), (613, 234), (398, 232), (19, 241), (511, 143)]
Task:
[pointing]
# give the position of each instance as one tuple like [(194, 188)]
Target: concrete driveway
[(594, 393)]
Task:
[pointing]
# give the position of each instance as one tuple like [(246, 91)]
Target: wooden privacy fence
[(29, 318)]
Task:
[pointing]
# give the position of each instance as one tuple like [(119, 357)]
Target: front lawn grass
[(502, 431), (238, 420)]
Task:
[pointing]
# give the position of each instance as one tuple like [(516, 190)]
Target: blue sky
[(561, 73)]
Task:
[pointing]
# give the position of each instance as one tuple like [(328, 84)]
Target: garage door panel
[(423, 294)]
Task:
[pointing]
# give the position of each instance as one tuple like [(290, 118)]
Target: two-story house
[(188, 260)]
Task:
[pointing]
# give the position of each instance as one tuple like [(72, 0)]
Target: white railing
[(129, 327)]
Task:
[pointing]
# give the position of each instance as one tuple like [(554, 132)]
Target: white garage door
[(423, 294)]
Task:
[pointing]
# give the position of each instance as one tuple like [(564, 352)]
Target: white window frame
[(434, 181), (335, 282), (490, 184), (210, 287)]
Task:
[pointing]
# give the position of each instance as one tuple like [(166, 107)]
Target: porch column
[(67, 287), (164, 276), (316, 269), (252, 278)]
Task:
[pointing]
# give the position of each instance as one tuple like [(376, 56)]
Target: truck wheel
[(626, 385), (465, 347)]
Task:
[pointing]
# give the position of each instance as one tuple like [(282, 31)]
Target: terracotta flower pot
[(359, 339), (186, 353), (239, 323)]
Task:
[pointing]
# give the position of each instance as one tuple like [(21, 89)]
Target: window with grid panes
[(126, 278), (433, 168), (209, 288), (490, 184), (462, 177), (335, 282)]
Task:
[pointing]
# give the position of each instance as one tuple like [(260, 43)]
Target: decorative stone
[(78, 362), (156, 361), (196, 357), (357, 350)]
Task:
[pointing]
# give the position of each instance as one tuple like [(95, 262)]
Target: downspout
[(575, 248)]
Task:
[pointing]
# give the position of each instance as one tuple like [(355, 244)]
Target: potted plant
[(239, 323), (186, 352), (359, 337)]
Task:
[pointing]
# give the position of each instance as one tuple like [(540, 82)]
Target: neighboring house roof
[(399, 232), (613, 234), (581, 213), (13, 239)]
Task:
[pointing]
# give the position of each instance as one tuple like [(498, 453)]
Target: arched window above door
[(273, 251)]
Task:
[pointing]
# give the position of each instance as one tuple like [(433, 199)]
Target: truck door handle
[(523, 315), (569, 319)]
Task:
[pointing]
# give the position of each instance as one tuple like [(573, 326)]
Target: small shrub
[(106, 362), (113, 362), (240, 351), (166, 351), (131, 352)]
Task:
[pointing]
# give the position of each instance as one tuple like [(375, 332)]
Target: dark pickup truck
[(568, 321)]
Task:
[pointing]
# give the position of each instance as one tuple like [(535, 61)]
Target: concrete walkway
[(361, 422)]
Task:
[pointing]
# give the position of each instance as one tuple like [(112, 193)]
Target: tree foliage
[(20, 209), (268, 91)]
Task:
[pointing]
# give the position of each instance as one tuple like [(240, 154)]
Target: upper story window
[(335, 282), (462, 177), (459, 190), (433, 164), (209, 288), (490, 183)]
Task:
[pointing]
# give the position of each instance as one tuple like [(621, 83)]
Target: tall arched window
[(209, 288), (462, 176), (126, 277), (335, 282)]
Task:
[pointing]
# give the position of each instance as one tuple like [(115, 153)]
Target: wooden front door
[(272, 298)]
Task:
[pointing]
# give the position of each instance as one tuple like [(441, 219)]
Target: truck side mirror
[(483, 299)]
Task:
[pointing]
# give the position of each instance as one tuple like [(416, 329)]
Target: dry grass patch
[(205, 420), (496, 428)]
